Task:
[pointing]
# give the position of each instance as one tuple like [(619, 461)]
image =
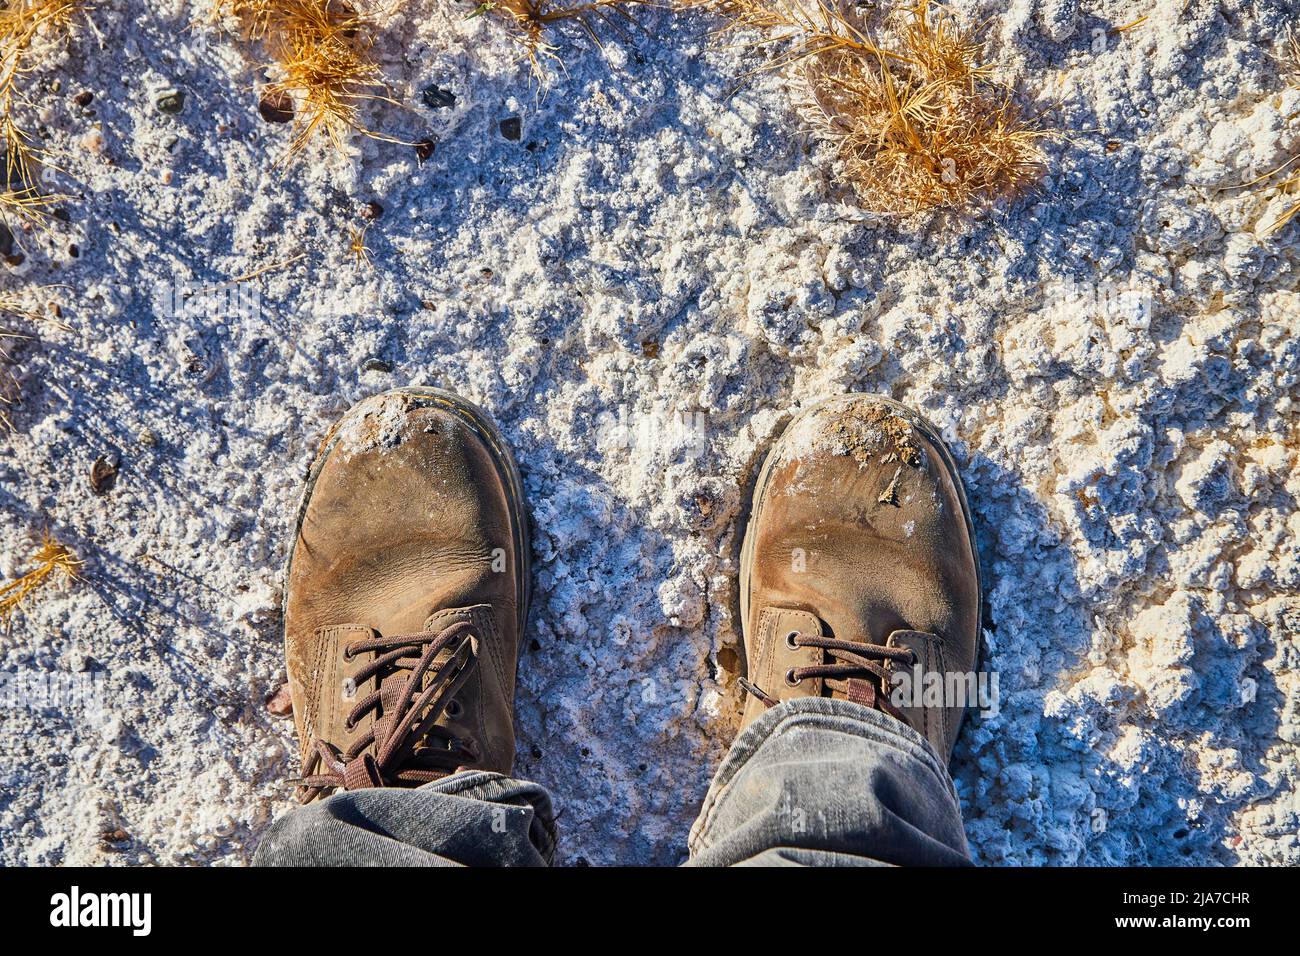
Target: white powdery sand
[(1130, 456)]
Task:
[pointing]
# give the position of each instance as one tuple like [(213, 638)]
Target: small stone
[(171, 101), (147, 437), (103, 473), (280, 704), (15, 259), (424, 149), (84, 98), (93, 141), (650, 348), (113, 840), (512, 128), (276, 106), (486, 273), (371, 210), (6, 241), (437, 98), (375, 365)]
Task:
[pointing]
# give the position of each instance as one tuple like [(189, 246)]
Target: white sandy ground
[(1131, 464)]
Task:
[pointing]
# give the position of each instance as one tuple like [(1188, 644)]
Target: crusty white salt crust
[(1129, 448)]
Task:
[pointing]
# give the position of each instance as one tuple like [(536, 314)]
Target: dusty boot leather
[(406, 593), (859, 561)]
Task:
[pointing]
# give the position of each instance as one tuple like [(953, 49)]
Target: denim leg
[(822, 782), (472, 818)]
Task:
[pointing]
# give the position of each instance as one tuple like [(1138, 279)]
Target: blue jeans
[(812, 782)]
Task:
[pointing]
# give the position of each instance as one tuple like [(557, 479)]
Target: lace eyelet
[(454, 709), (792, 640), (791, 680)]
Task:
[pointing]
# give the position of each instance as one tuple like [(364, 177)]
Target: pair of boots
[(408, 583)]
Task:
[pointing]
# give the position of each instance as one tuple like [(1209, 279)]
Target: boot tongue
[(873, 691), (861, 690), (445, 617)]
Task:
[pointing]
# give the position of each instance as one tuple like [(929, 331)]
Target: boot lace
[(403, 747), (859, 672)]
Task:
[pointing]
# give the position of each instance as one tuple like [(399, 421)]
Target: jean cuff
[(492, 787), (842, 716)]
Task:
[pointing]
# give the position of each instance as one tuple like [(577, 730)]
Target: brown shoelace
[(408, 749), (858, 674)]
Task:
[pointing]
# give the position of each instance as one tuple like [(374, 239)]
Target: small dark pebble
[(537, 753), (650, 348), (371, 210), (486, 273), (74, 251), (436, 98), (114, 840), (171, 101), (62, 215), (533, 146), (103, 473), (276, 106), (375, 365), (15, 259), (84, 98), (424, 149), (512, 128), (6, 240)]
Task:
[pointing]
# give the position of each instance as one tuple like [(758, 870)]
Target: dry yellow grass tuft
[(358, 248), (918, 121), (534, 18), (320, 51), (52, 559), (27, 27)]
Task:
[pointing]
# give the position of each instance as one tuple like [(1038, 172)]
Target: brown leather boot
[(859, 561), (406, 593)]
